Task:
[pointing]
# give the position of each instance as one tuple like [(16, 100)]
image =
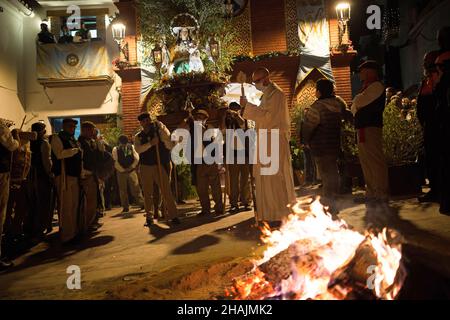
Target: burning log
[(323, 259)]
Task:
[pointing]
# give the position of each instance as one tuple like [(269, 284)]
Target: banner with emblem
[(314, 35), (85, 63)]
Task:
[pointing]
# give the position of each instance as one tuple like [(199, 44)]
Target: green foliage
[(297, 118), (188, 191), (403, 137), (112, 133), (268, 55), (156, 15), (348, 142), (297, 155), (201, 88)]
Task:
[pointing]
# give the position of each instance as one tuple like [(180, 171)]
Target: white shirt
[(369, 95), (6, 138)]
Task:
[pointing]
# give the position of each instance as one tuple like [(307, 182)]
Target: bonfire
[(313, 256)]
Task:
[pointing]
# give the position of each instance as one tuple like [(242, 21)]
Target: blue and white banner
[(314, 35)]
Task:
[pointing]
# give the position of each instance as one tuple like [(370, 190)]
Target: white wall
[(11, 54), (18, 73)]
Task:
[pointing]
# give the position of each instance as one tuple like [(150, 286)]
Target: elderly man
[(67, 162), (41, 182), (204, 176), (126, 161), (239, 171), (8, 143), (92, 157), (154, 134), (367, 108), (274, 191)]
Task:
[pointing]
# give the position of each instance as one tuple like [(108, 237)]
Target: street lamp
[(118, 32), (343, 11), (157, 55), (214, 48)]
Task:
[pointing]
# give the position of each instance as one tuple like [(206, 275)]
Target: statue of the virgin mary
[(185, 56)]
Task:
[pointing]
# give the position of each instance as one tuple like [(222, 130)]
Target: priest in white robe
[(274, 191)]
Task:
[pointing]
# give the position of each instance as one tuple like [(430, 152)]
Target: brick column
[(131, 90)]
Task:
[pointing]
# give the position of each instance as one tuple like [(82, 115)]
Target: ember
[(313, 256)]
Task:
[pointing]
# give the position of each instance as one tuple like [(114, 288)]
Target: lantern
[(214, 48), (157, 55)]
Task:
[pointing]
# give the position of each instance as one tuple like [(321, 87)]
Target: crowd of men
[(70, 174)]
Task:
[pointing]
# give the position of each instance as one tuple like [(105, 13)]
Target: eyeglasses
[(258, 80)]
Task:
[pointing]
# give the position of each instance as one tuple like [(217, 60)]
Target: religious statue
[(185, 56)]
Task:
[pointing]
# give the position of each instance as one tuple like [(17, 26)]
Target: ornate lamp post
[(118, 32), (343, 13)]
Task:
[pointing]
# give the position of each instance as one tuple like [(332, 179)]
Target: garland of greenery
[(269, 55)]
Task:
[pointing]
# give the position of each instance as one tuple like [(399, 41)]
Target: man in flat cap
[(367, 108), (9, 142), (89, 183), (67, 161), (154, 134), (204, 176), (41, 185), (239, 170)]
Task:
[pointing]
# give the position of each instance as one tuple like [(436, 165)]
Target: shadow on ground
[(57, 251), (196, 245)]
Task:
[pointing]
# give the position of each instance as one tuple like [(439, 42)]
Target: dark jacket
[(149, 157), (5, 159), (370, 114), (72, 164), (321, 127)]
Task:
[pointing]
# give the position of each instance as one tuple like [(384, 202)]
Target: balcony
[(73, 64)]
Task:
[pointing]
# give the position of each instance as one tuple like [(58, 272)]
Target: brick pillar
[(131, 91), (131, 78)]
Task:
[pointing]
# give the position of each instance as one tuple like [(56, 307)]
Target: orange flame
[(318, 247)]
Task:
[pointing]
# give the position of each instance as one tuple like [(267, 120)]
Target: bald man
[(274, 192)]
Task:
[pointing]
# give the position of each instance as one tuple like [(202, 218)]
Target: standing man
[(239, 172), (67, 158), (321, 131), (41, 180), (442, 93), (89, 182), (154, 134), (126, 160), (426, 113), (204, 176), (45, 36), (275, 192), (8, 143), (367, 108)]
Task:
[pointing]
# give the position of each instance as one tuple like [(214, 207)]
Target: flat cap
[(144, 115), (369, 64), (69, 120), (38, 126), (201, 111), (88, 124)]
